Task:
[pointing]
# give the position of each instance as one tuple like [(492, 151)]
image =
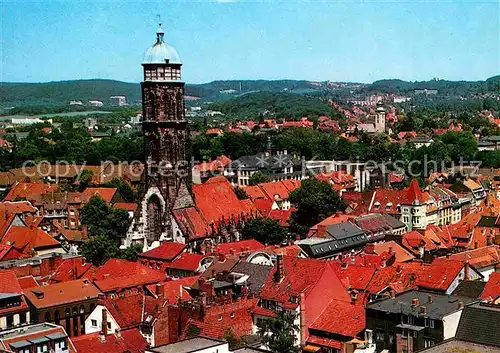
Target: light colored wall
[(96, 314), (450, 324)]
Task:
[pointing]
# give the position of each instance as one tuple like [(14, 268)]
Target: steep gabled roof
[(130, 341), (300, 276), (29, 239), (26, 190), (219, 319), (217, 202), (492, 289), (238, 247), (345, 318), (191, 222), (479, 258), (166, 251)]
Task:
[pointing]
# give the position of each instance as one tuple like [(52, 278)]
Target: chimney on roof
[(423, 310), (303, 325), (415, 302), (429, 298), (118, 333), (392, 292), (280, 270), (102, 337), (159, 290), (460, 304), (391, 251), (466, 271), (104, 325), (222, 258), (39, 293), (101, 298), (399, 269), (370, 248), (354, 295)]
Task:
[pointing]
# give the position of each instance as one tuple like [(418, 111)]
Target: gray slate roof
[(471, 289), (480, 324), (257, 274), (440, 306)]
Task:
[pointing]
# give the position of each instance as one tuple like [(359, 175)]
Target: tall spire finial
[(159, 32)]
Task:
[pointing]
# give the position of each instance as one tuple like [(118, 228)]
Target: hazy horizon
[(339, 41)]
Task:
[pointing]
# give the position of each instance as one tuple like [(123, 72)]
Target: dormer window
[(376, 205)]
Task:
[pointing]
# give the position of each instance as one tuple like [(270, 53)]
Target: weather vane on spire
[(159, 18)]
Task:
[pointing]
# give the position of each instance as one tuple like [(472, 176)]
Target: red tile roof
[(275, 190), (255, 192), (192, 223), (27, 282), (290, 250), (166, 251), (70, 269), (8, 252), (319, 230), (131, 341), (173, 290), (130, 310), (438, 275), (26, 190), (106, 194), (282, 216), (9, 282), (219, 319), (354, 276), (188, 262), (402, 255), (479, 258), (300, 276), (346, 318), (492, 289), (111, 284), (61, 293), (291, 184), (29, 239), (215, 165), (217, 201), (17, 207), (114, 268), (238, 247), (129, 206), (264, 205)]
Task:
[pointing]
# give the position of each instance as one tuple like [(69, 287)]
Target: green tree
[(99, 249), (314, 201), (240, 193), (264, 230), (232, 340), (279, 334), (131, 253), (84, 179), (257, 178), (124, 188), (103, 220)]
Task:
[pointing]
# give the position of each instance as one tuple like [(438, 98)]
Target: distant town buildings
[(118, 101)]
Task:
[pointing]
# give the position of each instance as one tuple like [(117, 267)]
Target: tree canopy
[(314, 201)]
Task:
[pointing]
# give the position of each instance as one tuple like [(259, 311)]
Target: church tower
[(167, 172), (380, 118)]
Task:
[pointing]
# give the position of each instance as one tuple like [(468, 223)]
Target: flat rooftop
[(187, 346)]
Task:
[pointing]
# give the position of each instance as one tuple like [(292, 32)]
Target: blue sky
[(360, 41)]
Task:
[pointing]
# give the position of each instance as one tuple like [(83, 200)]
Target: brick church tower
[(164, 184)]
